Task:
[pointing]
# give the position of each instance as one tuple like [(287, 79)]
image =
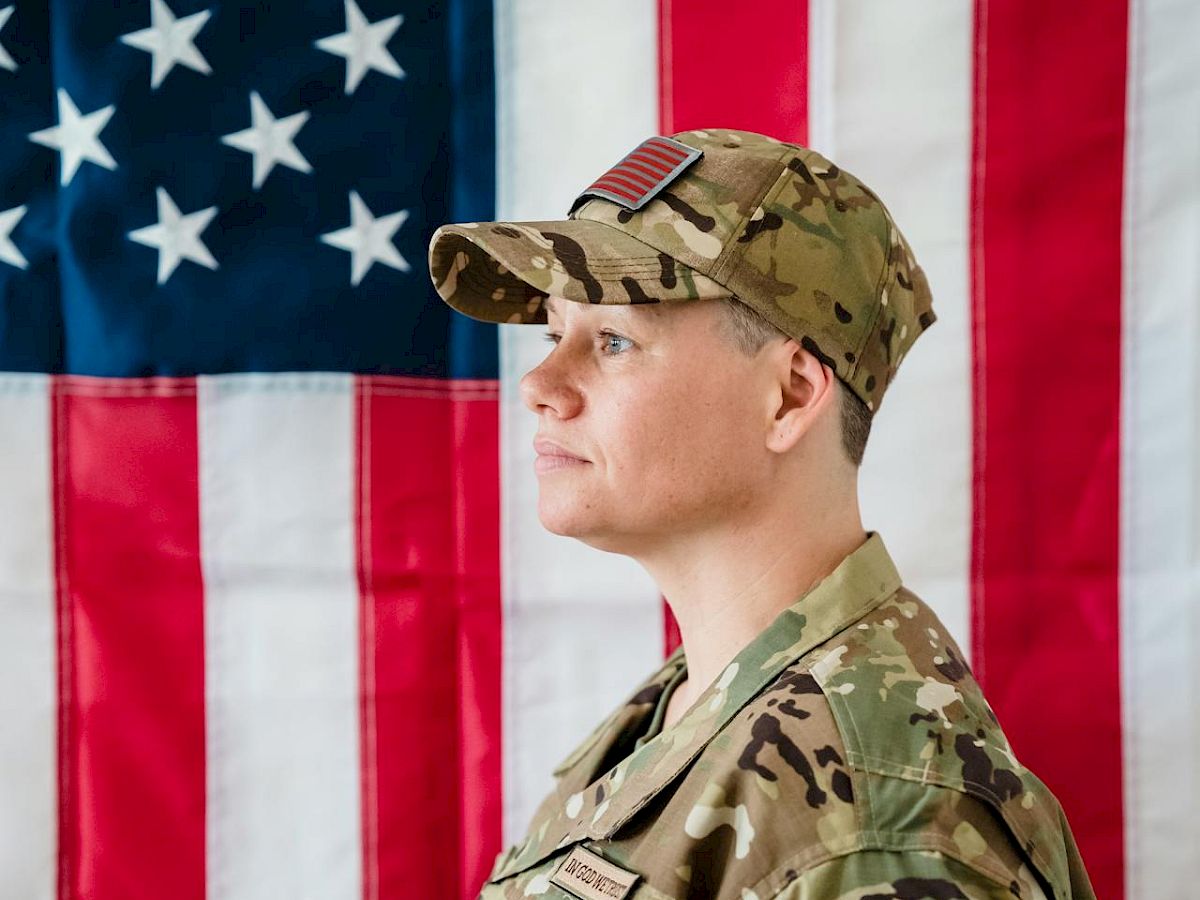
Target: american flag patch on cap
[(652, 165)]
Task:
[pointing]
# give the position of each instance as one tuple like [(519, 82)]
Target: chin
[(570, 521)]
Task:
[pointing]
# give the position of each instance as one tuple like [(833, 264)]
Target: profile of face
[(676, 431)]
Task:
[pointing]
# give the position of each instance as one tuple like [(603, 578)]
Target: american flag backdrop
[(277, 617)]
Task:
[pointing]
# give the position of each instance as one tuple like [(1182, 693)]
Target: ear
[(804, 393)]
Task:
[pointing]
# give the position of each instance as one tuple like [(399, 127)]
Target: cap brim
[(503, 271)]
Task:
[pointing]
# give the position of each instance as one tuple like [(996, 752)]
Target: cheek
[(687, 441)]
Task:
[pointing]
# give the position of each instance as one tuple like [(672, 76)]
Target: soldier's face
[(667, 418)]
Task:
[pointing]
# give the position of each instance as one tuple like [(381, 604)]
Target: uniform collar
[(863, 580)]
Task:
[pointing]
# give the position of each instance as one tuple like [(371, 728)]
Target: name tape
[(592, 877)]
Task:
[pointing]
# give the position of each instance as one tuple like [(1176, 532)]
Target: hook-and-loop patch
[(642, 174)]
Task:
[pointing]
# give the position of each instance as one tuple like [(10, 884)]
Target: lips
[(552, 456)]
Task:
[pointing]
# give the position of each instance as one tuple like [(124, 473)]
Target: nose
[(548, 386)]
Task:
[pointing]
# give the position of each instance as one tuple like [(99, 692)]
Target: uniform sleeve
[(904, 875)]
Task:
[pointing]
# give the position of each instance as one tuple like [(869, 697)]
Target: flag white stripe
[(28, 686), (891, 102), (1160, 534), (277, 463), (562, 599), (822, 49)]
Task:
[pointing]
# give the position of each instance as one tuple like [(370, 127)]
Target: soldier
[(819, 733)]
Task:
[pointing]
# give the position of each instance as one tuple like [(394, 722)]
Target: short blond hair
[(749, 332)]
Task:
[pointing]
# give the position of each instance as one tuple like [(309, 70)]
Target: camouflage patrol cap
[(710, 214)]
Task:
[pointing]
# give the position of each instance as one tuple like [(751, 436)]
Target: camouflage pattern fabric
[(776, 225), (846, 752)]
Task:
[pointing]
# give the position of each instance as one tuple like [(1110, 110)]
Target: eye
[(612, 343), (604, 335)]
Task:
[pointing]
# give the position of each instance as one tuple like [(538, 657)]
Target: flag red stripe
[(766, 91), (663, 147), (428, 538), (131, 640), (691, 35), (671, 636), (627, 164), (1046, 239), (607, 179), (611, 178), (616, 189), (634, 175), (649, 150), (653, 164), (368, 629)]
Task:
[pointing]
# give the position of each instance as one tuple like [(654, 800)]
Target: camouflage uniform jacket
[(846, 752)]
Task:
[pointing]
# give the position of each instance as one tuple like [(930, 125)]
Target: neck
[(724, 589)]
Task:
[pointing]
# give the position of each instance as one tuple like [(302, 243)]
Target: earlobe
[(801, 398), (790, 426)]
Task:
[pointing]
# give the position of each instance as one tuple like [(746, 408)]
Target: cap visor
[(503, 271)]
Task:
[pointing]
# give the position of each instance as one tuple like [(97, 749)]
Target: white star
[(76, 136), (8, 250), (368, 239), (177, 237), (6, 61), (170, 40), (364, 45), (269, 139)]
